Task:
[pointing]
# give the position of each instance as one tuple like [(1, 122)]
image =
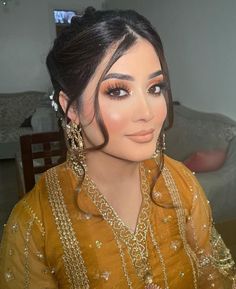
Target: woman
[(118, 213)]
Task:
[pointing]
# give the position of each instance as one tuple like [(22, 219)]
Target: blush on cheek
[(87, 115), (114, 121), (162, 112)]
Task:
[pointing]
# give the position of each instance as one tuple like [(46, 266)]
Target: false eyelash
[(116, 86)]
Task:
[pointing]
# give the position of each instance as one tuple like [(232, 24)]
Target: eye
[(119, 92), (157, 88)]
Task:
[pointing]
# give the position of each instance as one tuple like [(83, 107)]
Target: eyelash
[(117, 87)]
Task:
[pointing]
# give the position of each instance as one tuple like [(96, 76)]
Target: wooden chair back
[(39, 152)]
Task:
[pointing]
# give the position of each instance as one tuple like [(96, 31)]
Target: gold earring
[(163, 142), (160, 146), (76, 149)]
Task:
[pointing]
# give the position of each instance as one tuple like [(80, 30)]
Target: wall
[(26, 34), (200, 44)]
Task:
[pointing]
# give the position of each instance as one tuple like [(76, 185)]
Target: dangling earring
[(76, 150), (160, 146), (163, 142)]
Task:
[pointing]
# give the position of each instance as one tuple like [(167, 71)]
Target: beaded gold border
[(170, 184), (72, 257), (135, 242), (32, 213), (26, 254)]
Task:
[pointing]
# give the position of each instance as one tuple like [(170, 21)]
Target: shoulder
[(29, 209), (35, 205)]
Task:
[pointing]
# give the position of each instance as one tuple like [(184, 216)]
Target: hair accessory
[(53, 103), (76, 151)]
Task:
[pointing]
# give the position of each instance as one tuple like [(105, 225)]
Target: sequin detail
[(174, 245), (105, 275), (14, 228), (9, 276), (98, 244)]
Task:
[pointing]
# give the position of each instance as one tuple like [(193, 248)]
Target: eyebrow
[(129, 77)]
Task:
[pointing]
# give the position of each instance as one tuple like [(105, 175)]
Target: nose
[(142, 108)]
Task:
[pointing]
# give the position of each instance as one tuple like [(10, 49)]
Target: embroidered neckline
[(135, 241)]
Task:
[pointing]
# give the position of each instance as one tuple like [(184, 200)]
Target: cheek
[(115, 118), (161, 111), (87, 112)]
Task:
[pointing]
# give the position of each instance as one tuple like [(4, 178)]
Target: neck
[(106, 168)]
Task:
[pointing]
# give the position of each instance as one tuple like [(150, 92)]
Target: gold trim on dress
[(174, 193), (135, 242), (72, 257), (26, 254)]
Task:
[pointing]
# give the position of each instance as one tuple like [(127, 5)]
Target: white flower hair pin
[(53, 103)]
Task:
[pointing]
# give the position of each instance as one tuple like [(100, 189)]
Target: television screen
[(63, 16)]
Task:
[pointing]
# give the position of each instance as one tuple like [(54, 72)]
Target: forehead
[(141, 57)]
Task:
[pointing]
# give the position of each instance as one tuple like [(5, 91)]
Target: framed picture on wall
[(62, 18)]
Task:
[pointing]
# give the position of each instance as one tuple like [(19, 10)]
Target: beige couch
[(198, 131)]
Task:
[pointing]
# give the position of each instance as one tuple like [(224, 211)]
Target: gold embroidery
[(14, 228), (11, 252), (26, 254), (124, 267), (105, 275), (170, 183), (98, 244), (40, 255), (9, 276), (167, 219), (135, 242), (32, 213), (194, 188), (73, 260), (156, 246), (174, 245), (221, 257)]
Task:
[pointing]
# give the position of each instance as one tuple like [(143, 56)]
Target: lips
[(142, 136)]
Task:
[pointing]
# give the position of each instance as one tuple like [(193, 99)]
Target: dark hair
[(80, 48)]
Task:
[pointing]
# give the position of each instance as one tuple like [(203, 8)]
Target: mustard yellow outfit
[(64, 234)]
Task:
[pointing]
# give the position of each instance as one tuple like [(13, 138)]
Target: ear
[(72, 112)]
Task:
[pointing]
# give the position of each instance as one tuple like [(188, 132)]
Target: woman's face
[(131, 102)]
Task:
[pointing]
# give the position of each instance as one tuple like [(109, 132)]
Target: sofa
[(23, 113), (194, 131)]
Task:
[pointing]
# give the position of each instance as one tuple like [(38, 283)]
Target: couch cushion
[(206, 161), (16, 107), (197, 131), (8, 135)]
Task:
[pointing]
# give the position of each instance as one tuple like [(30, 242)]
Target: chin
[(139, 156), (131, 153)]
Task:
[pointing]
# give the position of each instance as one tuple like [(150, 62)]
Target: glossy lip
[(142, 136)]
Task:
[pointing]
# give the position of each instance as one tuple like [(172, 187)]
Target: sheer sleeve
[(215, 265), (23, 264)]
